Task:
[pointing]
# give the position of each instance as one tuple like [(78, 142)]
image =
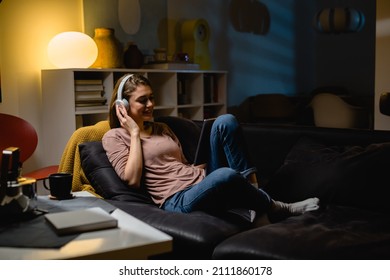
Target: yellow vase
[(110, 51)]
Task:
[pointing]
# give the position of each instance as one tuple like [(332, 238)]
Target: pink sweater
[(166, 170)]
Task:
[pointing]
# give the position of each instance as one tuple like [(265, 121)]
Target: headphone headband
[(119, 100), (122, 85)]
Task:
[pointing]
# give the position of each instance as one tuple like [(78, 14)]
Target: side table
[(133, 239)]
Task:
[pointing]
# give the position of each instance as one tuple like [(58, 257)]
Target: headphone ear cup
[(126, 104), (123, 103), (120, 100)]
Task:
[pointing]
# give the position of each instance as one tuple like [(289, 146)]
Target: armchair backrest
[(17, 132)]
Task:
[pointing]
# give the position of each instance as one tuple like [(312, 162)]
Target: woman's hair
[(130, 86)]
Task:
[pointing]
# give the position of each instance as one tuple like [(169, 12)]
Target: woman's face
[(141, 104)]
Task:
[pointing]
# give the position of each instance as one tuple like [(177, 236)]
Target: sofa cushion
[(345, 175), (195, 234), (335, 232), (103, 177)]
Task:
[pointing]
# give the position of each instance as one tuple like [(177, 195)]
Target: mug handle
[(44, 184)]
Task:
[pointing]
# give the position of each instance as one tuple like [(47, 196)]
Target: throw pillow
[(344, 175), (103, 177)]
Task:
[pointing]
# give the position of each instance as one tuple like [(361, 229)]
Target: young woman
[(148, 153)]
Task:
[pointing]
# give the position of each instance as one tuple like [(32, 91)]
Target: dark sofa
[(345, 168)]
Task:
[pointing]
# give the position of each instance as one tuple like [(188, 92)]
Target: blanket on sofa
[(70, 160)]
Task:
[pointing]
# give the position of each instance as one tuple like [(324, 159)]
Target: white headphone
[(119, 99)]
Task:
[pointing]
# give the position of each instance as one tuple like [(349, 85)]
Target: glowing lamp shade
[(72, 50)]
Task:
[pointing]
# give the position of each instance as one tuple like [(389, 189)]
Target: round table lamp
[(72, 50)]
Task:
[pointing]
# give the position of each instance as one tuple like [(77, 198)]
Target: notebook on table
[(83, 220), (203, 147)]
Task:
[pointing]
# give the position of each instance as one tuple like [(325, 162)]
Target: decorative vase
[(110, 54), (133, 57)]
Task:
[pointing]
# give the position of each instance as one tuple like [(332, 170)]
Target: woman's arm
[(134, 164)]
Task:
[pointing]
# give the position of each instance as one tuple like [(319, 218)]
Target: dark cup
[(60, 185)]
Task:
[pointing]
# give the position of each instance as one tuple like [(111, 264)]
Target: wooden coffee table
[(133, 239)]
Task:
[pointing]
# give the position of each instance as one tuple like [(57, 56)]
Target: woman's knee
[(227, 175), (226, 121)]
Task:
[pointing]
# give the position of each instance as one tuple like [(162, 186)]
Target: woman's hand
[(126, 121)]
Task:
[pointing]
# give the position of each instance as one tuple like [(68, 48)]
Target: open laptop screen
[(203, 148)]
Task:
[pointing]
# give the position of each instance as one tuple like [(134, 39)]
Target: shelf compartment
[(167, 111), (189, 88), (191, 112), (213, 110), (163, 85)]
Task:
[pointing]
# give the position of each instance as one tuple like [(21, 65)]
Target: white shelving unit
[(192, 94)]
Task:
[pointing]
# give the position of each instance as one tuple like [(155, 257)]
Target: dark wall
[(289, 57), (344, 60), (347, 59), (305, 47)]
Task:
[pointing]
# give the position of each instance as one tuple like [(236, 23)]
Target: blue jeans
[(225, 186)]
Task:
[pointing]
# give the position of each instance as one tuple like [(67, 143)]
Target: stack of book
[(89, 93)]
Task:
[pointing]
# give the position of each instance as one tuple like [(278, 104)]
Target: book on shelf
[(210, 88), (183, 91), (88, 107), (90, 102), (88, 82), (89, 87), (88, 94), (82, 220)]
